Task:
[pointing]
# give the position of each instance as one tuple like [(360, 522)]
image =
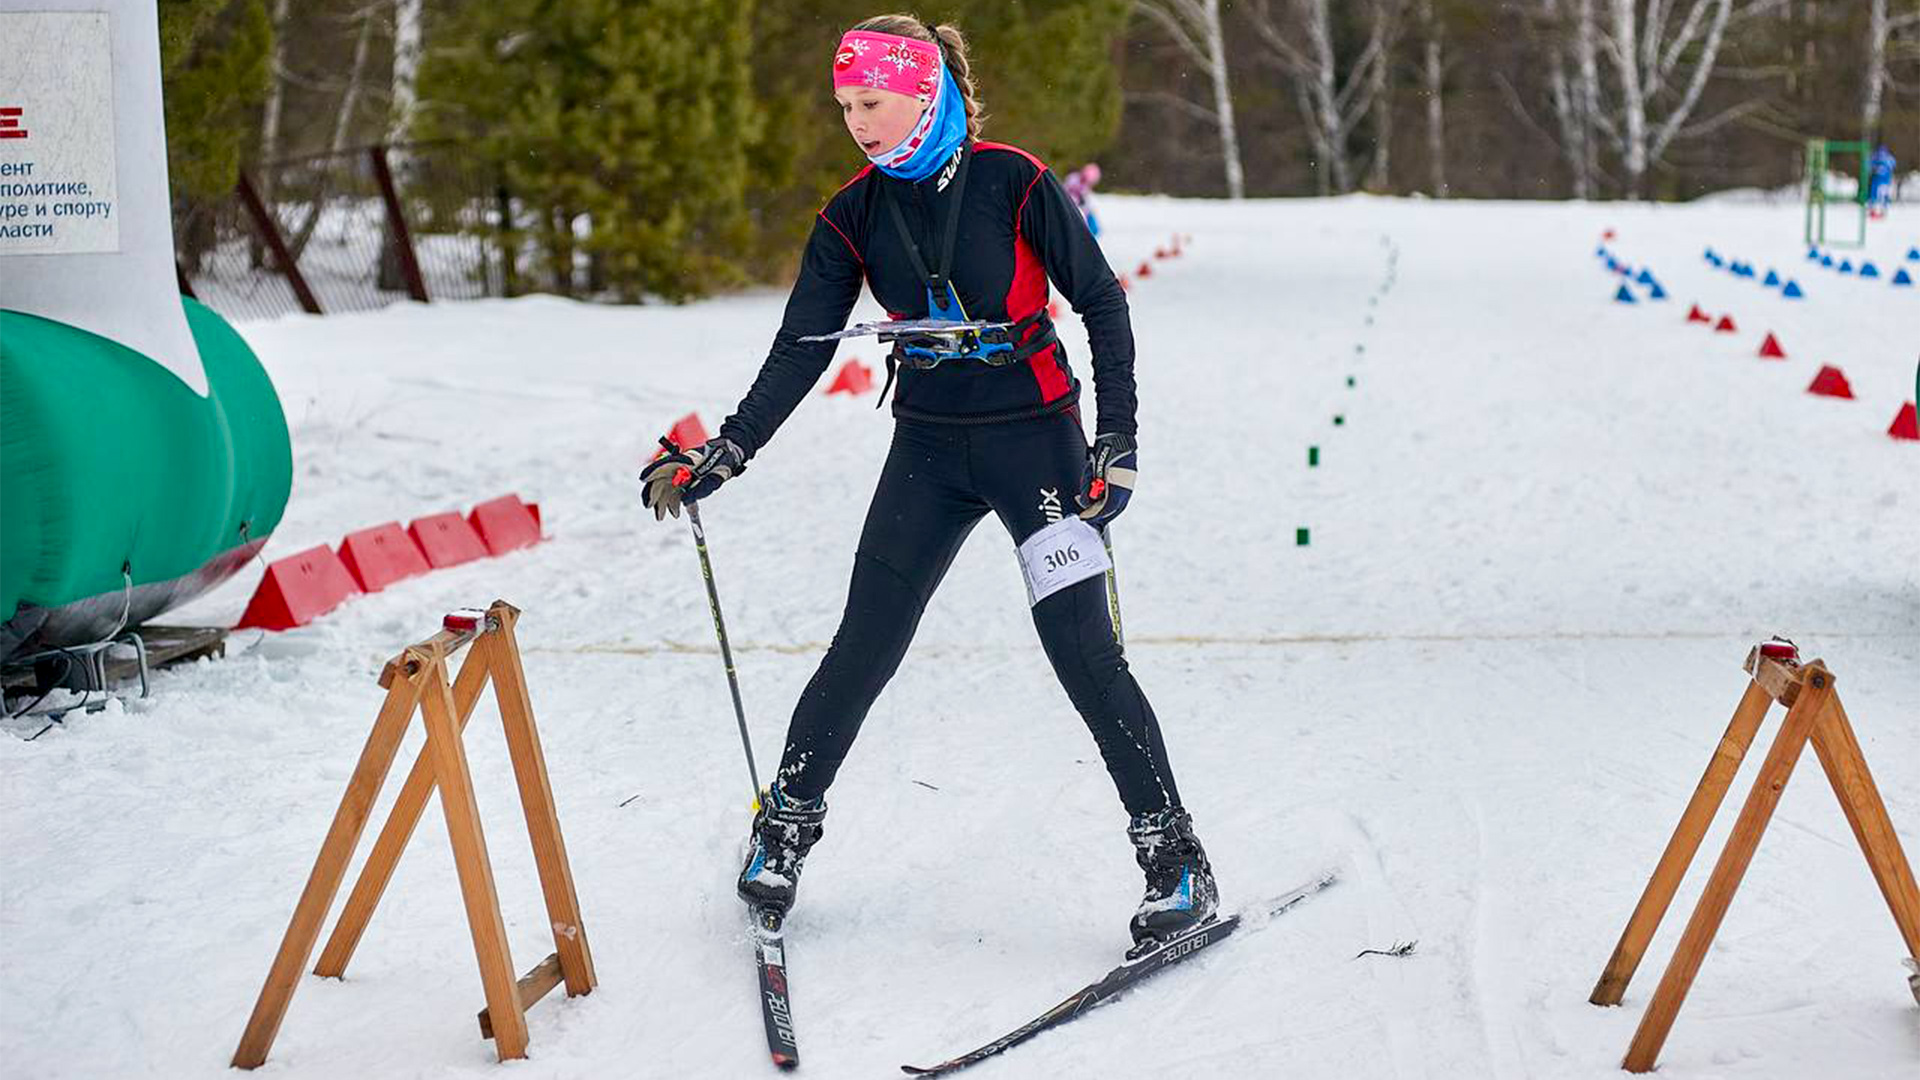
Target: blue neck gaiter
[(936, 140)]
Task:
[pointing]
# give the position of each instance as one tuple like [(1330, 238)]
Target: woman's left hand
[(1112, 467)]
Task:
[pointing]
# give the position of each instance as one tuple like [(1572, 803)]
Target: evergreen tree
[(1044, 71), (213, 65), (625, 121)]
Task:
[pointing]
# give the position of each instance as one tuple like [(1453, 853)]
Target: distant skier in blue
[(1880, 182)]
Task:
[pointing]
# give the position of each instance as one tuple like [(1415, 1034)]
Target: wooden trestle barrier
[(417, 678), (1814, 713)]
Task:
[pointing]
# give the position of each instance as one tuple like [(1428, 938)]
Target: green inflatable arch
[(113, 471)]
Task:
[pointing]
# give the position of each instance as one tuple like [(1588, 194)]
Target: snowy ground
[(1542, 542)]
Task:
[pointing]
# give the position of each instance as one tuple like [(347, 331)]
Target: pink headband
[(887, 62)]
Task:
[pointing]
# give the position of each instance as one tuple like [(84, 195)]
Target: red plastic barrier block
[(297, 590), (380, 556), (1830, 382), (854, 378), (505, 524), (1770, 349), (1905, 424), (446, 540)]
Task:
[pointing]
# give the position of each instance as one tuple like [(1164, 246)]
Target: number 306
[(1058, 560)]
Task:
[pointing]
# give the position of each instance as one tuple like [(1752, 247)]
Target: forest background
[(683, 145)]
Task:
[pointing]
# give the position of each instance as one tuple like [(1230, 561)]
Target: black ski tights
[(938, 482)]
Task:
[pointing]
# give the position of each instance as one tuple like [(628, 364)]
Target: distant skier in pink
[(1079, 184)]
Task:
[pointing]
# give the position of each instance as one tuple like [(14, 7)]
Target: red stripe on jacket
[(1027, 293)]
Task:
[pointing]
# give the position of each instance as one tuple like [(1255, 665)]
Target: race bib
[(1064, 553)]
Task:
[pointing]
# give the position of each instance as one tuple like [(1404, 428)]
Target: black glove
[(1112, 467), (689, 475)]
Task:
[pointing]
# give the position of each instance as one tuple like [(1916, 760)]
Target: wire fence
[(349, 231)]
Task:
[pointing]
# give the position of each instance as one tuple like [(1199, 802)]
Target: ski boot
[(784, 829), (1181, 893)]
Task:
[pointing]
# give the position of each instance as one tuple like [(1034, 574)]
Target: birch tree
[(1660, 57), (407, 39), (276, 97), (1194, 25), (1331, 105), (1386, 18), (1880, 27), (1433, 78)]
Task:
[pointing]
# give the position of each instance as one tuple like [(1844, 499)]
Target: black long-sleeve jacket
[(1017, 230)]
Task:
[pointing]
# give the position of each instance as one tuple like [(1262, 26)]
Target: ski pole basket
[(416, 679), (1814, 714)]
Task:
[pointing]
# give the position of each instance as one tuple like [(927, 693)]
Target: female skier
[(944, 226)]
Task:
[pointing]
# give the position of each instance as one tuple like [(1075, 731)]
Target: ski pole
[(726, 651), (1113, 592)]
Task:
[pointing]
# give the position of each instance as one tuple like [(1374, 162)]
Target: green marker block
[(1299, 538), (1313, 457), (1339, 420), (1350, 382)]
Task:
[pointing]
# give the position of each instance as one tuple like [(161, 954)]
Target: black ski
[(770, 950), (1115, 982)]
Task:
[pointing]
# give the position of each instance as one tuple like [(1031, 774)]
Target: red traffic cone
[(1125, 285), (1146, 269), (1830, 383), (1725, 325), (1694, 314), (854, 378), (687, 431), (1770, 349), (1608, 235), (1159, 253), (1905, 425), (1053, 309)]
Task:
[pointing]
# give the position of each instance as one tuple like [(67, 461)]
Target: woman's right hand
[(689, 475)]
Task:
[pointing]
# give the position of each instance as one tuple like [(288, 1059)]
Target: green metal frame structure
[(1820, 153)]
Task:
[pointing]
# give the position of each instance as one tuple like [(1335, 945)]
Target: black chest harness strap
[(997, 347)]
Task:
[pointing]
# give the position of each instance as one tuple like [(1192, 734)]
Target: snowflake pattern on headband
[(901, 57), (875, 78), (859, 45)]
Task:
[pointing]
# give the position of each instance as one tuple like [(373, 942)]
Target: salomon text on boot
[(784, 830), (1181, 893)]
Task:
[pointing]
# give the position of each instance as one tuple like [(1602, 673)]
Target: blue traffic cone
[(1792, 291), (1773, 279), (1846, 266), (1712, 258), (1657, 293), (1913, 254), (1646, 276), (1902, 278), (1826, 260), (1867, 269), (1813, 253), (1623, 296)]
